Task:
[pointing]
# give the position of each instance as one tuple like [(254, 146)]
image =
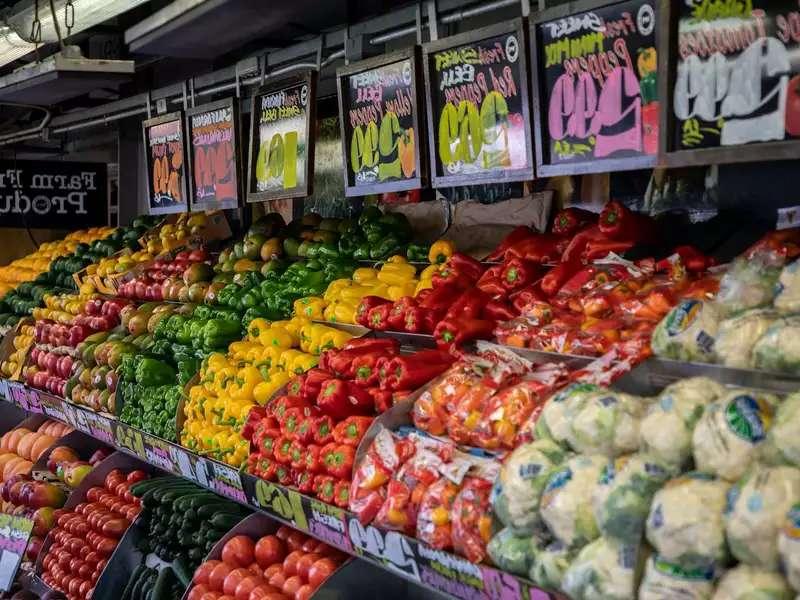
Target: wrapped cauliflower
[(725, 439), (516, 492), (685, 524), (749, 283), (668, 581), (566, 505), (738, 335), (603, 569), (554, 421), (666, 430), (745, 582), (789, 546), (787, 298), (782, 446), (757, 507), (778, 349), (687, 332), (606, 423), (622, 498), (512, 553), (549, 565)]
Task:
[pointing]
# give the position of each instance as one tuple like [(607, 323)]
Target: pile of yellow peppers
[(252, 371), (10, 368)]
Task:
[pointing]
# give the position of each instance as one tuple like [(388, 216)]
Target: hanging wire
[(56, 25), (69, 16), (36, 25)]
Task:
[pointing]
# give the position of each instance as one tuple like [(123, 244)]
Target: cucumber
[(197, 554), (182, 571), (225, 520), (193, 500), (166, 496), (137, 573), (207, 511), (161, 587), (141, 584)]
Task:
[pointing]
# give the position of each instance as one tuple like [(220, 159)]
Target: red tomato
[(203, 571), (93, 557), (263, 592), (304, 593), (217, 576), (121, 488), (290, 562), (135, 476), (85, 571), (272, 569), (277, 580), (309, 545), (114, 478), (197, 591), (269, 550), (304, 564), (233, 580), (295, 541), (211, 595), (291, 585), (246, 585), (84, 588), (239, 551), (256, 570), (320, 571), (226, 597), (93, 493), (74, 584), (282, 533)]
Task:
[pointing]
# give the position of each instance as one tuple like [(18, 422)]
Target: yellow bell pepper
[(397, 259), (363, 275), (440, 251), (293, 327), (396, 273), (424, 284), (256, 327), (333, 338), (266, 389), (398, 291), (276, 337), (246, 379), (428, 272), (341, 312), (303, 363), (310, 306), (288, 357)]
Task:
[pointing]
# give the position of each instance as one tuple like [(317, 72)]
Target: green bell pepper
[(152, 372), (362, 252), (218, 333), (387, 247), (370, 213), (417, 252), (328, 251)]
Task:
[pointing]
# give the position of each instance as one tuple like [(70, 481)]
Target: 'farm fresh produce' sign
[(53, 194), (378, 113), (282, 140), (736, 80), (477, 94), (163, 142), (597, 78), (214, 156)]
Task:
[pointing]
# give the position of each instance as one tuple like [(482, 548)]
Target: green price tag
[(285, 503), (130, 440)]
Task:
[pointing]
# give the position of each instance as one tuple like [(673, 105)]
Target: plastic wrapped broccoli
[(607, 423), (622, 498), (687, 332), (685, 524), (517, 490), (512, 553), (782, 445), (749, 282), (725, 439), (787, 298), (666, 430), (738, 335), (789, 546), (668, 581), (751, 583), (554, 421), (779, 348), (757, 507), (549, 565), (566, 505), (603, 569)]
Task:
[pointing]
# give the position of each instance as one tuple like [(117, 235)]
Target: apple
[(78, 333), (93, 306), (64, 366), (60, 454), (33, 548), (41, 494), (99, 456), (75, 473)]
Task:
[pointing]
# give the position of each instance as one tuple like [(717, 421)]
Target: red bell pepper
[(457, 331), (618, 222), (419, 320), (440, 298), (448, 276), (521, 298), (490, 282), (296, 383), (469, 304), (312, 461), (339, 459), (297, 456), (284, 403), (517, 235), (498, 310), (305, 430), (281, 450), (351, 430), (516, 274), (466, 266), (266, 442), (539, 249), (324, 487), (373, 344), (253, 418), (570, 220), (312, 380), (266, 469), (397, 315), (559, 275), (304, 482), (368, 303), (382, 399), (291, 421), (365, 371), (378, 317), (323, 430), (341, 399), (284, 474), (410, 372), (341, 494)]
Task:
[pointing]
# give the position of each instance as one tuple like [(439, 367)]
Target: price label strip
[(100, 427), (15, 532), (34, 401), (226, 481), (389, 548), (5, 394), (19, 394), (283, 502), (54, 407), (190, 465), (157, 452), (81, 419), (329, 524), (129, 440)]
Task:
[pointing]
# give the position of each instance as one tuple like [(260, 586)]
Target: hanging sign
[(53, 194), (596, 77), (213, 155), (282, 139), (378, 112), (477, 96), (737, 79), (166, 171)]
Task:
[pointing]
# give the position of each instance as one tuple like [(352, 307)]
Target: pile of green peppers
[(206, 329), (149, 394)]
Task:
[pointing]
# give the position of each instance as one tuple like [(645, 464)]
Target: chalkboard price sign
[(15, 531), (381, 138), (281, 163), (597, 81), (214, 155), (476, 87), (737, 78), (164, 139)]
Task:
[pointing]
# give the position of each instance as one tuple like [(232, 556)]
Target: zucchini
[(161, 587), (137, 573), (182, 571), (224, 520)]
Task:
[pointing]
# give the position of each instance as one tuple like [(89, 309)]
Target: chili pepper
[(559, 275), (324, 487), (600, 248), (456, 331), (569, 220), (365, 371), (378, 317), (410, 372), (490, 282), (341, 494), (418, 320), (266, 442), (284, 475), (341, 399), (469, 304), (351, 430), (323, 430), (304, 482), (521, 298), (516, 274), (339, 460), (281, 450), (368, 303), (312, 461), (397, 314), (382, 399), (498, 309), (254, 416), (517, 235)]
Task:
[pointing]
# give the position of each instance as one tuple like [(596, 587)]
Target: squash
[(26, 443)]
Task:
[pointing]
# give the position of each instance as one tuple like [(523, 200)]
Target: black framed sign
[(281, 157), (379, 116), (476, 90), (596, 81), (735, 82), (164, 139), (213, 146)]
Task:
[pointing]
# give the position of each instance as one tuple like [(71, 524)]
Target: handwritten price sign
[(286, 503), (389, 547), (129, 439), (226, 482), (191, 466)]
